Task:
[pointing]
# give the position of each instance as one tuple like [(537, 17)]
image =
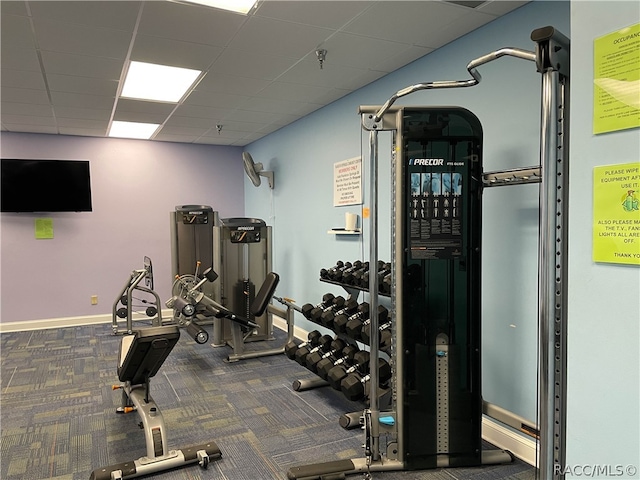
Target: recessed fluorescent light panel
[(132, 129), (160, 83), (238, 6)]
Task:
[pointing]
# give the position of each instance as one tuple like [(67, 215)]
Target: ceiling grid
[(63, 62)]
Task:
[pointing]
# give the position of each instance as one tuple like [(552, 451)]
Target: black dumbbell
[(337, 344), (324, 343), (325, 272), (336, 275), (327, 318), (330, 273), (347, 273), (344, 356), (354, 327), (385, 286), (357, 276), (336, 374), (384, 334), (327, 298), (291, 347), (336, 304), (340, 322), (382, 270), (355, 386)]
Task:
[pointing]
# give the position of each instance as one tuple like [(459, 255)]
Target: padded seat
[(143, 353)]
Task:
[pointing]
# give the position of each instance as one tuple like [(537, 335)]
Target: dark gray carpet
[(58, 412)]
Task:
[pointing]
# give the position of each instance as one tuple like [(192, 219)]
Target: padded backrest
[(259, 304), (142, 356)]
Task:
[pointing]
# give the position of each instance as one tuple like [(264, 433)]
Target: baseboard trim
[(520, 445), (64, 322)]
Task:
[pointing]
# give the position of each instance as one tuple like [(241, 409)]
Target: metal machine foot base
[(201, 454)]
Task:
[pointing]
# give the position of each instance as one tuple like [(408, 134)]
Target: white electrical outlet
[(94, 299)]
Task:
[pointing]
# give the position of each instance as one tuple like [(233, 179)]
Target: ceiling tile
[(19, 58), (192, 132), (130, 105), (295, 92), (16, 31), (166, 51), (35, 109), (97, 102), (260, 117), (163, 137), (214, 99), (253, 65), (329, 14), (141, 117), (82, 40), (292, 40), (198, 111), (83, 123), (107, 14), (215, 81), (82, 113), (188, 122), (29, 120), (405, 21), (308, 72), (24, 95), (439, 37), (261, 71), (82, 85), (358, 51), (81, 65), (22, 79), (190, 23), (13, 8), (500, 7), (408, 55)]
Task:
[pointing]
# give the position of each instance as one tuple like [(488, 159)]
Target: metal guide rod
[(374, 410), (545, 261), (553, 63)]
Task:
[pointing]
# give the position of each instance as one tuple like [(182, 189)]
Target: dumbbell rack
[(351, 419)]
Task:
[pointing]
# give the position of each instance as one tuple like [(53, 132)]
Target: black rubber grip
[(191, 453), (127, 469), (321, 470)]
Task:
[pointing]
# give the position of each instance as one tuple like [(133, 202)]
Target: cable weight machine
[(435, 354)]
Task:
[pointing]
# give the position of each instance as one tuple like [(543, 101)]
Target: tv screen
[(45, 186)]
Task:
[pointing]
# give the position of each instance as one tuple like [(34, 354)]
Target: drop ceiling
[(63, 62)]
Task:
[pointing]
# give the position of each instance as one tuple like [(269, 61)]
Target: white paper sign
[(347, 182)]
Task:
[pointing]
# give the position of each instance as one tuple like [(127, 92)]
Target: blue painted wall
[(604, 299), (507, 102)]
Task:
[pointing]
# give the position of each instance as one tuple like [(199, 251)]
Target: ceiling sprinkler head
[(321, 55), (219, 128)]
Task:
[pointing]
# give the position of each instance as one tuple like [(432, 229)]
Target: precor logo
[(426, 161)]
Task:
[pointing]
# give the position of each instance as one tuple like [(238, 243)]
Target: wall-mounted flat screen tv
[(45, 185)]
